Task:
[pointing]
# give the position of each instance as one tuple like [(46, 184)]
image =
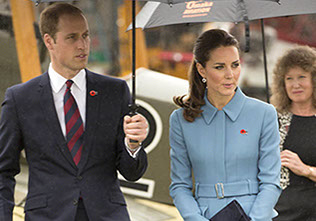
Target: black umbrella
[(37, 2), (155, 14), (170, 2), (40, 1)]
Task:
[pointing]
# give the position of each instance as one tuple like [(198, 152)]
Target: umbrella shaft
[(265, 61), (133, 50)]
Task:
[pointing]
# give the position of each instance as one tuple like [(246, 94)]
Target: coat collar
[(232, 109), (58, 81)]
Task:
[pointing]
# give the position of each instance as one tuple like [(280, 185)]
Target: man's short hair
[(49, 17)]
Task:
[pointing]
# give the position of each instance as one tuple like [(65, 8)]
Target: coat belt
[(222, 190)]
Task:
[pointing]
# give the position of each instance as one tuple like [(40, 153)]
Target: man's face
[(69, 50)]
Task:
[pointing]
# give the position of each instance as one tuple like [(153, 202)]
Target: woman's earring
[(204, 80)]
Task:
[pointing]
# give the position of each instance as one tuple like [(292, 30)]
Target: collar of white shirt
[(58, 81)]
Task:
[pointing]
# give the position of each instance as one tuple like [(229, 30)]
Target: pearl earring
[(204, 80)]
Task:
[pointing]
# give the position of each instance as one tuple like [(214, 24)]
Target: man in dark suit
[(74, 128)]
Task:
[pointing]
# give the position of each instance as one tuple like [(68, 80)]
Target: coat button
[(79, 177), (75, 202)]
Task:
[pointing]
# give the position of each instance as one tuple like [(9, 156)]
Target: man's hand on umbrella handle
[(135, 128)]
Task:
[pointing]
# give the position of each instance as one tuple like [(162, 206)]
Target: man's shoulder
[(103, 78), (28, 85)]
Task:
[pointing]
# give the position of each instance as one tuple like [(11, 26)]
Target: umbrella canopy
[(40, 1), (170, 2), (37, 2), (155, 14)]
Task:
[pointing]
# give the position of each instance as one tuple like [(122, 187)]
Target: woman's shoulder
[(176, 113), (256, 103), (177, 116), (259, 108)]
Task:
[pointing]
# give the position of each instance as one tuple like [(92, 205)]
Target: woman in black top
[(294, 96)]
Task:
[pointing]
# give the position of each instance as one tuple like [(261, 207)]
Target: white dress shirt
[(79, 91)]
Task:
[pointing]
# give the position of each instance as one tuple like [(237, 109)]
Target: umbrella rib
[(143, 18)]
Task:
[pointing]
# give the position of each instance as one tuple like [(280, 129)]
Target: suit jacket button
[(79, 177), (75, 202)]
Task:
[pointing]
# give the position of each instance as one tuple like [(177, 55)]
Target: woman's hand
[(292, 161)]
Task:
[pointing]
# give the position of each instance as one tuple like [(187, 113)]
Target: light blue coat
[(232, 153)]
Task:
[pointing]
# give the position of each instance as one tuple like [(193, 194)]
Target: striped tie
[(74, 125)]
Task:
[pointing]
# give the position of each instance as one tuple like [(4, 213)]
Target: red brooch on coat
[(93, 93), (243, 131)]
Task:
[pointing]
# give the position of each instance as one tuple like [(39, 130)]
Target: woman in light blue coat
[(227, 141)]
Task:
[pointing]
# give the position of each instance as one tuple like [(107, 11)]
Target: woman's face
[(222, 72), (298, 85)]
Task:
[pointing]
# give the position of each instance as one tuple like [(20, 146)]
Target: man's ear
[(200, 69), (49, 41)]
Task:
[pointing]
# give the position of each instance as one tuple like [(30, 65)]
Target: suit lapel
[(49, 110), (94, 96)]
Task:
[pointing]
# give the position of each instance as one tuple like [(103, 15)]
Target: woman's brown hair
[(204, 45), (301, 56)]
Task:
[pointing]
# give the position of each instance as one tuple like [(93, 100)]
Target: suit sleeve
[(181, 174), (130, 168), (10, 148), (269, 169)]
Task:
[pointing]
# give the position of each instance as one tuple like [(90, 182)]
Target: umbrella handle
[(133, 111)]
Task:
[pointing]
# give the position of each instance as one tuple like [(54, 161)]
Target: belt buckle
[(222, 190)]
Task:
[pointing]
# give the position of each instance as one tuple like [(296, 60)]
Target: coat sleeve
[(10, 148), (131, 168), (181, 174), (269, 169)]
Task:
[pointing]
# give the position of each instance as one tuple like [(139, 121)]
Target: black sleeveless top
[(301, 139)]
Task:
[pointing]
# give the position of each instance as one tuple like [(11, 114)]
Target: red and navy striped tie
[(74, 124)]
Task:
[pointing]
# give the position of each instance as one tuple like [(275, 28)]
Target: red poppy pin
[(243, 131), (93, 93)]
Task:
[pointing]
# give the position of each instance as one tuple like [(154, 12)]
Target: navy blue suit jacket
[(29, 121)]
